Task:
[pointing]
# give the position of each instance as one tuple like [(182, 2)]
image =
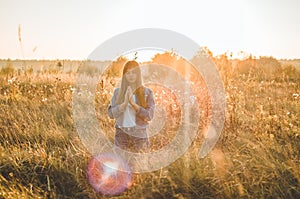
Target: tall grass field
[(257, 155)]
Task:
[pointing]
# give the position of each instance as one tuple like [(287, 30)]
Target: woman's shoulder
[(116, 91), (147, 90)]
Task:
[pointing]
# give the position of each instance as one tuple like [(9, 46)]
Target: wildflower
[(10, 81), (105, 92), (295, 95), (90, 94), (44, 99), (192, 99)]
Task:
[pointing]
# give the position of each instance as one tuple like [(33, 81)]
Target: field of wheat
[(257, 155)]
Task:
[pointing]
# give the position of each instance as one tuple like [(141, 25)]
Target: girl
[(132, 106)]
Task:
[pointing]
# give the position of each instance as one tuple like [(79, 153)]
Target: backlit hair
[(138, 89)]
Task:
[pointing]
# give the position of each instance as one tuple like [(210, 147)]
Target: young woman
[(132, 106)]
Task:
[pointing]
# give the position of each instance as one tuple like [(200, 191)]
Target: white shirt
[(129, 115)]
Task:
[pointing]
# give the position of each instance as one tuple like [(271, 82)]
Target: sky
[(72, 29)]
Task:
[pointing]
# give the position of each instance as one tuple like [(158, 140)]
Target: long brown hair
[(139, 90)]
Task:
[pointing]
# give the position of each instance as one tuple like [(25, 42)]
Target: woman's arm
[(147, 113), (114, 110)]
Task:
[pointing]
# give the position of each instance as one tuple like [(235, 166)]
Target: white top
[(129, 115)]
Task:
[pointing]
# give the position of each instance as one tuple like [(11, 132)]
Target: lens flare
[(108, 174)]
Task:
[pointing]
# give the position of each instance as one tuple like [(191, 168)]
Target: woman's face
[(130, 76)]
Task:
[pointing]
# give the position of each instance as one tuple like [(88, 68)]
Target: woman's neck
[(132, 85)]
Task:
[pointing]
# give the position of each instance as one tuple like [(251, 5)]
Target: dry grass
[(257, 155)]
